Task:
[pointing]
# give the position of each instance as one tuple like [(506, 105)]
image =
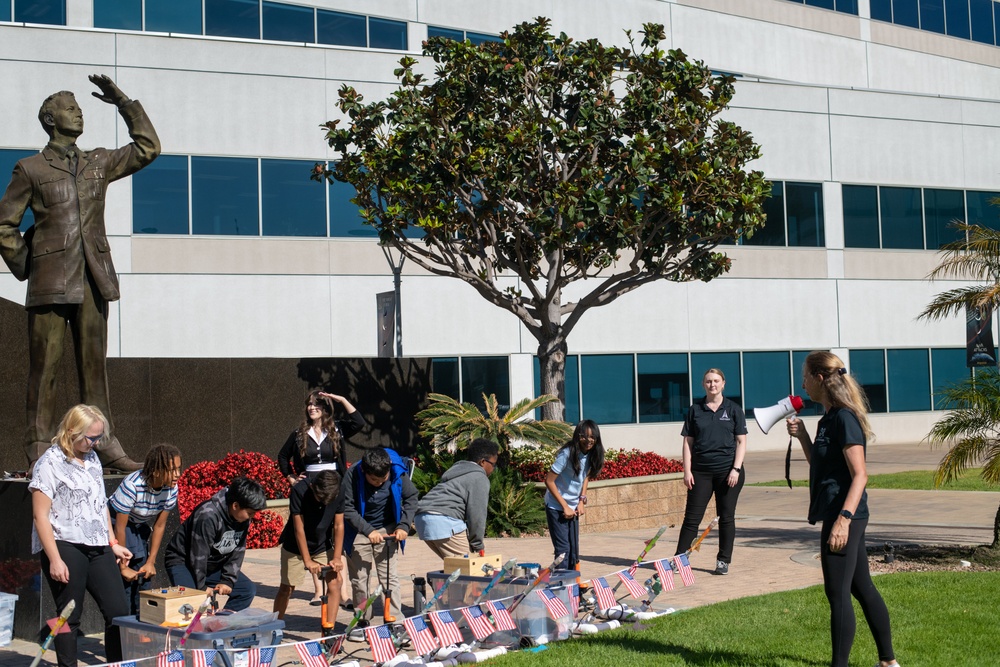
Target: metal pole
[(397, 279)]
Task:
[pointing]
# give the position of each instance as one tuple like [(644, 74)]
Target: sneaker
[(721, 567), (358, 633), (347, 606)]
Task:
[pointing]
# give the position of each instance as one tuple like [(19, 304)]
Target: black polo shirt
[(713, 434), (317, 519), (829, 475)]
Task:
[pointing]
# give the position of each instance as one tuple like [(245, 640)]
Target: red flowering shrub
[(203, 480), (265, 530), (534, 463), (16, 573)]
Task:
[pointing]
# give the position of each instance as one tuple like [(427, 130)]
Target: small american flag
[(203, 657), (123, 663), (380, 639), (424, 641), (632, 568), (501, 617), (605, 596), (311, 654), (666, 573), (446, 628), (481, 626), (574, 600), (260, 657), (684, 567), (170, 659), (637, 590), (333, 644), (557, 609)]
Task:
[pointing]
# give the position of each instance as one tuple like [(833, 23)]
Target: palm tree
[(971, 429)]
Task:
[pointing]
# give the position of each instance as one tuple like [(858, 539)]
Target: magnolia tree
[(539, 161)]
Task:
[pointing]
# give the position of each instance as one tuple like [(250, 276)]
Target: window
[(905, 12), (4, 10), (981, 19), (809, 406), (345, 217), (982, 210), (444, 377), (664, 387), (386, 34), (909, 380), (860, 216), (232, 18), (160, 197), (478, 38), (902, 223), (9, 158), (288, 23), (848, 6), (486, 375), (607, 383), (341, 29), (824, 4), (932, 15), (804, 206), (941, 209), (882, 10), (182, 16), (947, 370), (447, 33), (292, 204), (956, 18), (224, 196), (571, 388), (766, 379), (118, 14), (727, 362), (49, 12), (868, 367), (773, 231), (964, 19)]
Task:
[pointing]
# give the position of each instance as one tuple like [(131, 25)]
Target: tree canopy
[(540, 161)]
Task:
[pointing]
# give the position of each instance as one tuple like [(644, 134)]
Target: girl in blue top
[(577, 462)]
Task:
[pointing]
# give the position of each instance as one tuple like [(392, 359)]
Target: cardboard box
[(169, 605), (473, 565)]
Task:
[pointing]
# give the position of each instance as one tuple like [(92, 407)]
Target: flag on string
[(632, 568), (311, 654), (684, 568), (605, 596), (260, 657), (424, 641), (203, 657), (481, 627), (170, 659), (333, 644), (574, 600), (123, 663), (380, 639), (557, 609), (446, 628), (666, 573), (501, 617), (637, 590)]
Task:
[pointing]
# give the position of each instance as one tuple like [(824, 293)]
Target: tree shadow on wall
[(387, 392)]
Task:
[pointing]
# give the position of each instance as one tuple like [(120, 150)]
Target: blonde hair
[(75, 423), (713, 370), (840, 387)]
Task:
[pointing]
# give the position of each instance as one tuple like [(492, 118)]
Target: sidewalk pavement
[(776, 549)]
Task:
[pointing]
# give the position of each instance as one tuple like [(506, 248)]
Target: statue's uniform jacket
[(69, 235)]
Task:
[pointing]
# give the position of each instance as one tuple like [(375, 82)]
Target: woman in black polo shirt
[(837, 497), (715, 442)]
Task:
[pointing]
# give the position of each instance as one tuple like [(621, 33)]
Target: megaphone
[(771, 415)]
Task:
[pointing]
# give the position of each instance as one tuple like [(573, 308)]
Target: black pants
[(565, 534), (91, 569), (706, 484), (846, 573)]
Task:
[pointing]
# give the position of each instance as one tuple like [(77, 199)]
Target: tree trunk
[(996, 530), (552, 360)]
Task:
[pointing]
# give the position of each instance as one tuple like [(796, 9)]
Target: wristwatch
[(738, 470), (846, 514)]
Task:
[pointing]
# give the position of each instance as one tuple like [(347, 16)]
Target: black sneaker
[(721, 567)]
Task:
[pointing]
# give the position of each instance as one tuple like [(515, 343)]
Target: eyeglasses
[(588, 437), (94, 439), (493, 463)]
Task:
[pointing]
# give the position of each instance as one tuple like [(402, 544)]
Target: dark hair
[(595, 457), (246, 493), (376, 462), (325, 486), (327, 423), (483, 449), (159, 462)]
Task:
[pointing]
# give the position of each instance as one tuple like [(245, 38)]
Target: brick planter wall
[(636, 502)]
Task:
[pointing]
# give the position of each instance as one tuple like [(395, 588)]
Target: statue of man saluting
[(65, 256)]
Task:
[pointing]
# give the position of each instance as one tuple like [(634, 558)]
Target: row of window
[(977, 20), (794, 217), (912, 218), (49, 12), (845, 6)]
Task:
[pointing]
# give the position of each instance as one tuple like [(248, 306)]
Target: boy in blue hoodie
[(379, 502)]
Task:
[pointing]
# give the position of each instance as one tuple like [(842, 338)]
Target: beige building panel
[(932, 43), (761, 262), (889, 264), (778, 11)]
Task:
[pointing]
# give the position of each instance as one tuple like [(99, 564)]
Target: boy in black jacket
[(207, 551)]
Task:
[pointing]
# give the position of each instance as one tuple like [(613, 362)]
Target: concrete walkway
[(775, 547)]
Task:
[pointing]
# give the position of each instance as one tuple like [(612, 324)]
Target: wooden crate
[(168, 605), (472, 565)]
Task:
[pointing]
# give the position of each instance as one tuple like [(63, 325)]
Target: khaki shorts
[(293, 568)]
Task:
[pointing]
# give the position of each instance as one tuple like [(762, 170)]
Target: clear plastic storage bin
[(7, 601), (144, 640)]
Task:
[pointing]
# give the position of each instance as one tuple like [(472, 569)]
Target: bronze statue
[(65, 256)]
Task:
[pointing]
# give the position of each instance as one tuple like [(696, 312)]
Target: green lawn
[(916, 480), (939, 619)]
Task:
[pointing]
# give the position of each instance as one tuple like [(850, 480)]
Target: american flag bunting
[(666, 573), (123, 663), (333, 644), (480, 625), (552, 602), (170, 659), (637, 590), (260, 657), (311, 654), (446, 628), (684, 567), (203, 657), (605, 596), (574, 600), (424, 641), (501, 617), (380, 639)]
